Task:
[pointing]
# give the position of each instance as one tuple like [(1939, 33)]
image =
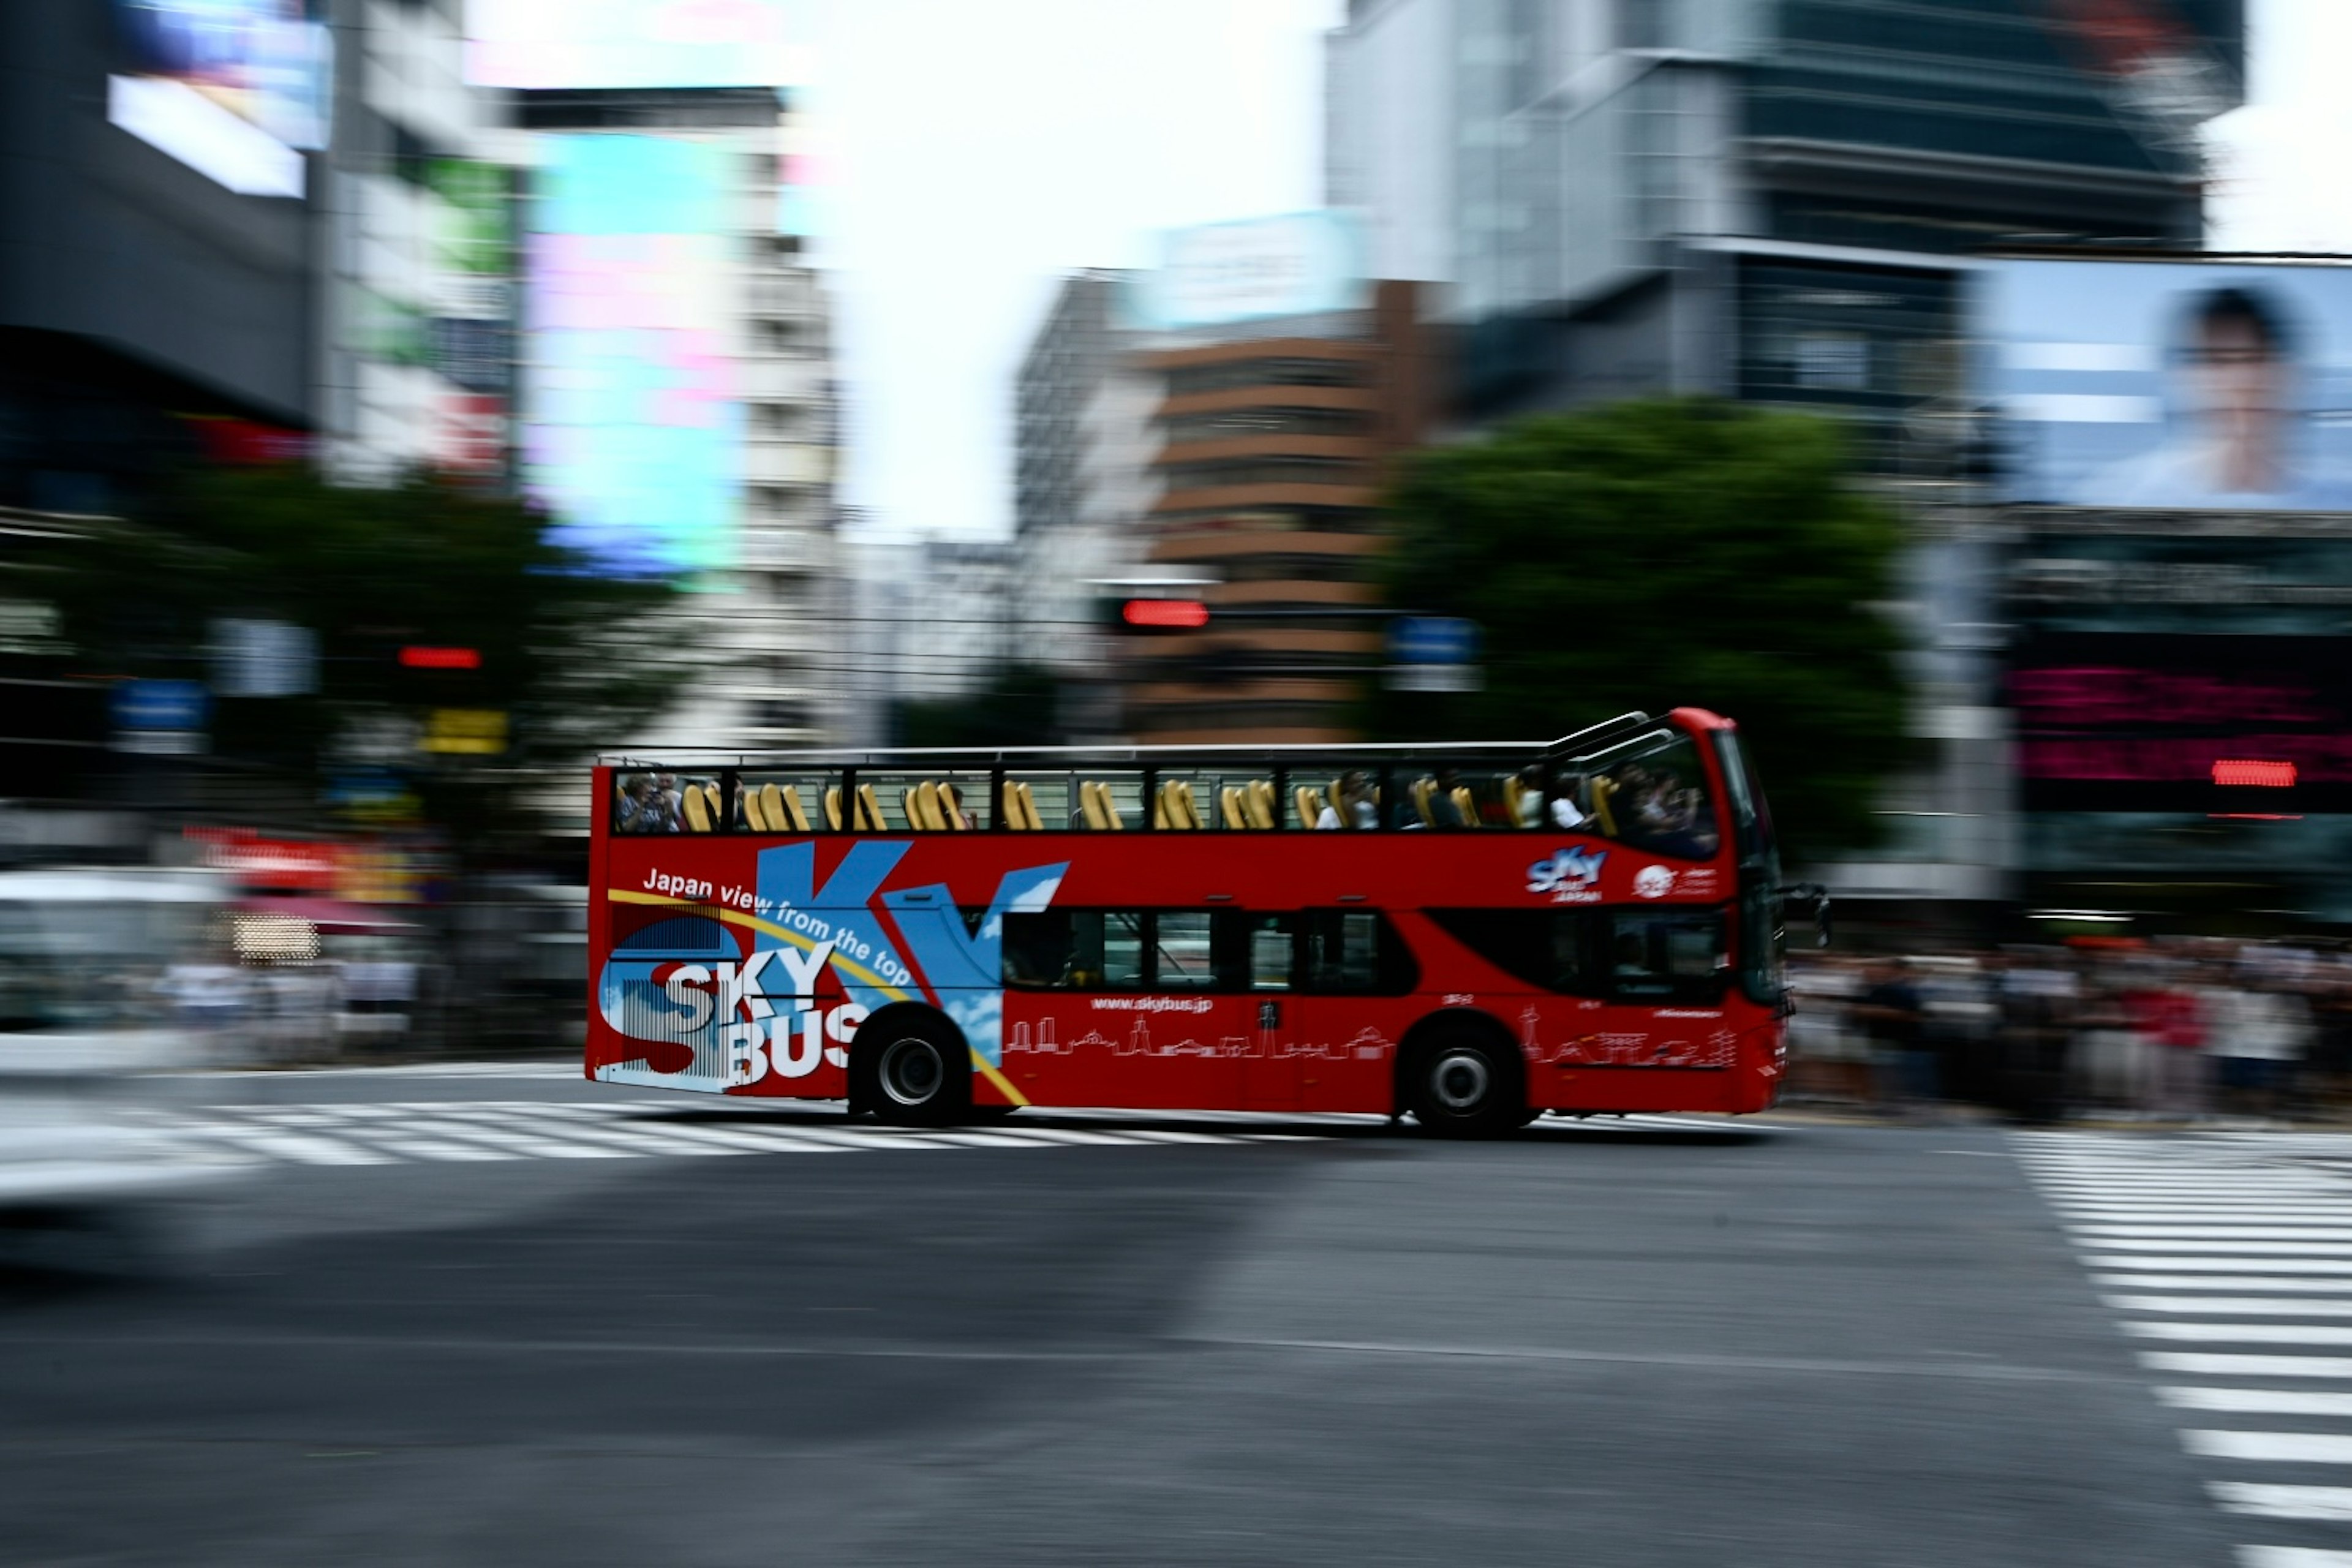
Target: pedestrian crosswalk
[(2229, 1259), (382, 1133), (457, 1131)]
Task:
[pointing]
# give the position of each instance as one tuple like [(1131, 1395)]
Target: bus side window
[(1674, 955), (1255, 952), (1356, 952)]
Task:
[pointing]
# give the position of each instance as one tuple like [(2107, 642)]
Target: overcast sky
[(983, 148)]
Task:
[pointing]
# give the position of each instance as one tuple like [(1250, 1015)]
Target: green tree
[(1661, 553), (1020, 706), (427, 561)]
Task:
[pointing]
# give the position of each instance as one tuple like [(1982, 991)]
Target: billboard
[(470, 316), (234, 88), (633, 425), (2171, 386), (1300, 264), (626, 42)]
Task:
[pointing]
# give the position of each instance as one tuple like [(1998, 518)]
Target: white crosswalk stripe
[(2242, 1242), (490, 1131)]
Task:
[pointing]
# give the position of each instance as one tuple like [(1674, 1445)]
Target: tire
[(915, 1073), (1465, 1083)]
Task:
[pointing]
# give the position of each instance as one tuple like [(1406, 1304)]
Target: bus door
[(1350, 961), (1257, 963)]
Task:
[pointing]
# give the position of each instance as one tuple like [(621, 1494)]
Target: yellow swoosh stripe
[(855, 969)]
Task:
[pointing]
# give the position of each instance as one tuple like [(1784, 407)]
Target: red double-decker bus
[(1472, 933)]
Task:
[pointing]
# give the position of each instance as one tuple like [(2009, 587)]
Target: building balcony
[(1266, 498), (1198, 545), (1356, 449), (1234, 399), (787, 463)]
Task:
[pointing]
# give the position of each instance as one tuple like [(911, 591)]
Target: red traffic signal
[(441, 657), (2246, 774), (1165, 614)]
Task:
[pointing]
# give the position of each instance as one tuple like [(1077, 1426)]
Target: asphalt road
[(1172, 1340)]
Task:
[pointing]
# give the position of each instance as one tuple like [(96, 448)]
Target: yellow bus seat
[(695, 809), (1229, 806), (1260, 803), (832, 806), (1309, 805), (755, 814), (1466, 804), (869, 811), (1602, 788), (783, 808), (1422, 788)]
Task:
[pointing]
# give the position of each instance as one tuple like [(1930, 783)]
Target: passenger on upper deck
[(1356, 801), (644, 808)]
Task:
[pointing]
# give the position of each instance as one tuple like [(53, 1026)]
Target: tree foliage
[(1020, 706), (370, 570), (1664, 553)]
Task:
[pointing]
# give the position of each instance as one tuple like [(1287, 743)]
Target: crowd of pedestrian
[(2188, 1030)]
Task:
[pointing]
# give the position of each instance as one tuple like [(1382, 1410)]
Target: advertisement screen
[(2171, 386), (634, 427), (234, 88), (1298, 264), (626, 42)]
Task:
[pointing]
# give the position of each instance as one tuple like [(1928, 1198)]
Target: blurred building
[(681, 410), (155, 250), (419, 276), (945, 613), (1083, 474), (1785, 201), (1271, 444)]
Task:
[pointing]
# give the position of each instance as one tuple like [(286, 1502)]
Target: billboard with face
[(2171, 386)]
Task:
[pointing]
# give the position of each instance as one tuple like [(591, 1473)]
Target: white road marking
[(2198, 1363), (2292, 1557), (2220, 1282), (2258, 1401), (2225, 1306), (2244, 1334), (2226, 1265), (504, 1130), (2332, 1503), (2280, 1447)]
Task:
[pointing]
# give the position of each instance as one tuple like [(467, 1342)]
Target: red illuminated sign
[(2253, 774), (441, 657), (1165, 613)]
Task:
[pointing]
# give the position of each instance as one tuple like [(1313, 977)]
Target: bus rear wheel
[(1465, 1085), (915, 1075)]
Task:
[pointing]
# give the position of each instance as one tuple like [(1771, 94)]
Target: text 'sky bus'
[(1473, 933)]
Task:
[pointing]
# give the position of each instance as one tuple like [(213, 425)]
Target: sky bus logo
[(1571, 876)]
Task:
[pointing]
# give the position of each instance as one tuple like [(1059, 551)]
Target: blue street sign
[(160, 705), (1432, 639)]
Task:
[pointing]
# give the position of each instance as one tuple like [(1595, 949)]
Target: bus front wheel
[(1465, 1085), (914, 1076)]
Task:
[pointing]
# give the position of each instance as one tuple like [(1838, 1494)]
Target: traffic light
[(415, 658), (1163, 615)]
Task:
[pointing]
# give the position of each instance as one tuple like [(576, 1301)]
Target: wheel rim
[(912, 1071), (1459, 1081)]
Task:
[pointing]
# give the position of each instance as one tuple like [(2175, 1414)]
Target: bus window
[(1050, 798), (1181, 951), (933, 802), (1255, 952), (1355, 952), (647, 802), (1549, 949), (1651, 793), (1666, 955), (772, 801), (1111, 800), (1193, 800)]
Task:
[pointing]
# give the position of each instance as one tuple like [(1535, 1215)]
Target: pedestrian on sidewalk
[(1892, 1012), (2170, 1021)]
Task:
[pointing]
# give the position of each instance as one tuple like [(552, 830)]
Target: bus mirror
[(1816, 895)]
